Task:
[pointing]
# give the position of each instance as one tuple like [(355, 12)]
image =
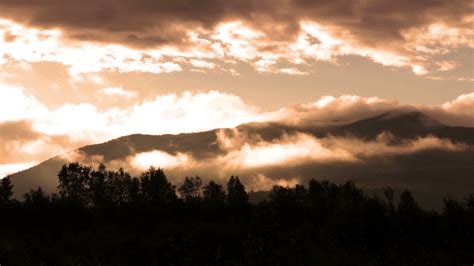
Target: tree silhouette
[(74, 183), (6, 190), (289, 203), (315, 191), (351, 196), (470, 203), (190, 190), (98, 186), (37, 198), (290, 196), (407, 204), (120, 187), (155, 187), (453, 209), (325, 198), (389, 196), (214, 193), (134, 190), (236, 194)]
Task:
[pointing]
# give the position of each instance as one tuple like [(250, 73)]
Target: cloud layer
[(258, 160), (350, 108), (156, 22), (273, 36), (35, 132)]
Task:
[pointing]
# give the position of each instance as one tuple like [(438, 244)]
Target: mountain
[(408, 125), (436, 171)]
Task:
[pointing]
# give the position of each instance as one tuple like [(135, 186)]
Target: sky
[(74, 73)]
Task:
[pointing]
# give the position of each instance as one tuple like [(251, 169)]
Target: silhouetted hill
[(441, 169), (202, 144), (408, 125), (401, 124)]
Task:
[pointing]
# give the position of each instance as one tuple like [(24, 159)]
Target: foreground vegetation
[(102, 217)]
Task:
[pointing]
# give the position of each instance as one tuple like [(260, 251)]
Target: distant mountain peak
[(401, 123), (406, 116)]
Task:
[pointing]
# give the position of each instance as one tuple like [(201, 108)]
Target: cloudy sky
[(80, 72)]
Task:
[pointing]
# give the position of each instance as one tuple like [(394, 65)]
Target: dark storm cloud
[(133, 22), (150, 23)]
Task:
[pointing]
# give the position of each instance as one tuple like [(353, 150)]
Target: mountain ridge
[(203, 145)]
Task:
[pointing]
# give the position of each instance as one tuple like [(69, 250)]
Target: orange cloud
[(237, 41)]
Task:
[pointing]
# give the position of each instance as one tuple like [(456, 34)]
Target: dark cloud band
[(149, 23)]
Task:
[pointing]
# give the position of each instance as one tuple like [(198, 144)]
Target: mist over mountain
[(401, 149)]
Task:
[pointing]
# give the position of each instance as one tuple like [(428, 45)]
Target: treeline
[(104, 217), (82, 186)]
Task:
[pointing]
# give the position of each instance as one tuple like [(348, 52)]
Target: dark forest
[(105, 217)]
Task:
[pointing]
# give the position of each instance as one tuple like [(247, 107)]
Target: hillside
[(443, 171)]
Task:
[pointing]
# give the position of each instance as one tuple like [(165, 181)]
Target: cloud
[(289, 150), (150, 23), (144, 160), (270, 40), (335, 110), (172, 113), (25, 106), (22, 146), (202, 64), (349, 108), (17, 130), (420, 163), (458, 112), (362, 26), (48, 131), (7, 169), (285, 160), (447, 65), (299, 148), (80, 156), (200, 111), (463, 105), (383, 145), (118, 91), (260, 182), (33, 45), (35, 132)]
